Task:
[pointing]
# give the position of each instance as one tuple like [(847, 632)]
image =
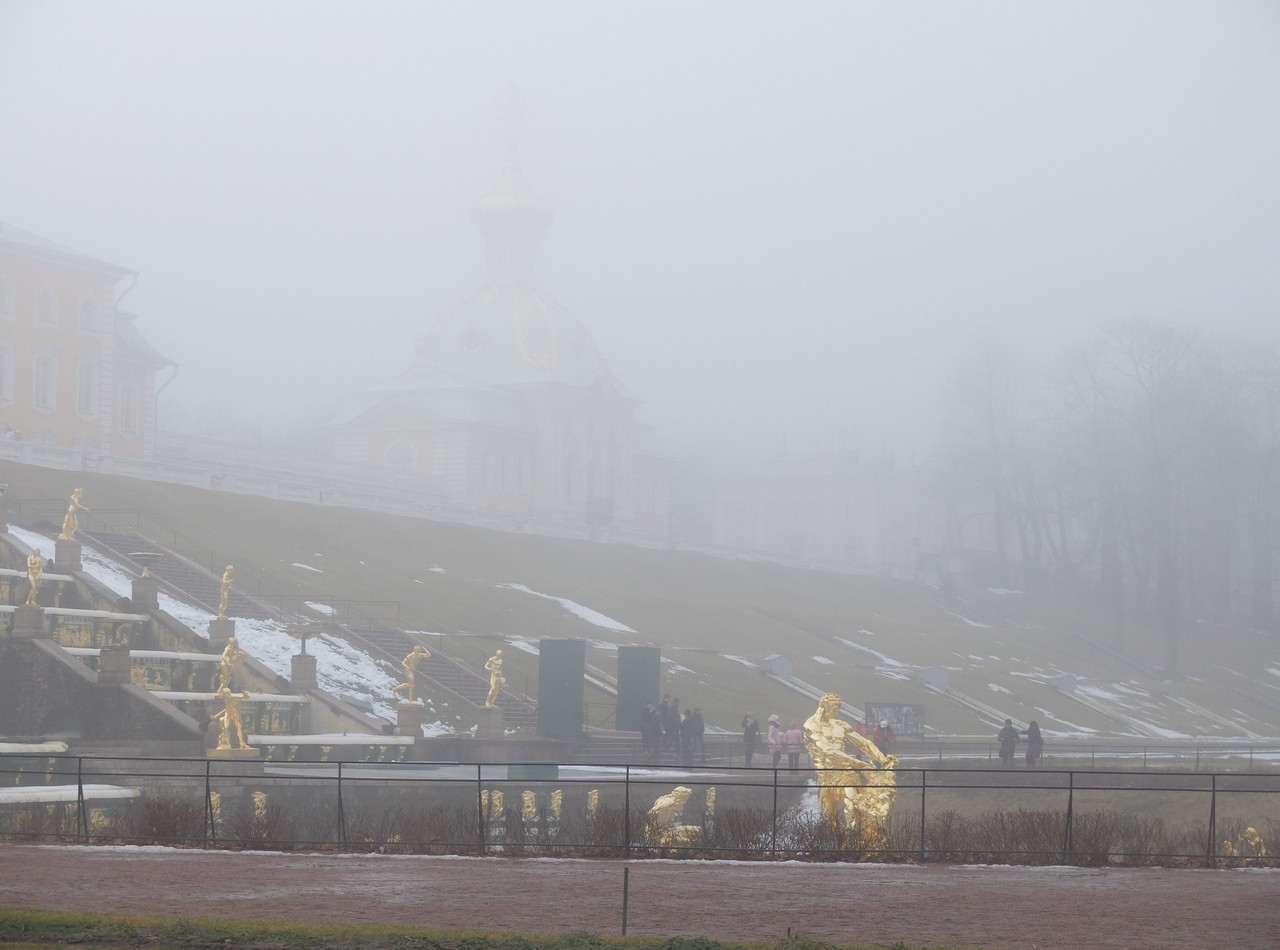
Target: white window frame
[(8, 361), (46, 313), (88, 320), (129, 409), (44, 380), (87, 388)]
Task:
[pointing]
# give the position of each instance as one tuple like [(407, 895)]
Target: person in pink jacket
[(794, 741)]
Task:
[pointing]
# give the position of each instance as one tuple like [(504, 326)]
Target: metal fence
[(1074, 816)]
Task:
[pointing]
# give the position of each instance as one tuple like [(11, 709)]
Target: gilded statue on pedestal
[(35, 570), (666, 826), (70, 522), (230, 717), (224, 590), (496, 679), (232, 657), (853, 793), (410, 666)]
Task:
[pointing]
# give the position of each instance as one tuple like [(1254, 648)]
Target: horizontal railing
[(1072, 816)]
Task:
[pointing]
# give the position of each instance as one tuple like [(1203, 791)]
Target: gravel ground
[(971, 906)]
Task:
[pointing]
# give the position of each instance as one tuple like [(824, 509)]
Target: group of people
[(1008, 739), (791, 740), (664, 728)]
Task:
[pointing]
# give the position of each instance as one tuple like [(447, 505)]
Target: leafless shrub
[(166, 819)]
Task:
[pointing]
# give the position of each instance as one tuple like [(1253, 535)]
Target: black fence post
[(626, 811), (342, 814), (1210, 857), (773, 841), (483, 824), (82, 821), (209, 830), (1071, 790), (924, 783)]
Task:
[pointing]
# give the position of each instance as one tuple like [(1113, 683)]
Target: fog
[(773, 218)]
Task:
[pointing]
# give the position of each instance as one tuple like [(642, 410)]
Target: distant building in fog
[(74, 371), (830, 510), (508, 407)]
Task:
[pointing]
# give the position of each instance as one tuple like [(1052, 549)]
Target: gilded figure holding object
[(224, 590), (70, 523), (410, 666), (853, 792), (35, 570), (496, 679)]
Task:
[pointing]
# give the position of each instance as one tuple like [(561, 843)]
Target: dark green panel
[(639, 682), (561, 667)]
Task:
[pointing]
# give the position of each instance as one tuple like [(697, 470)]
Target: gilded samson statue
[(855, 789)]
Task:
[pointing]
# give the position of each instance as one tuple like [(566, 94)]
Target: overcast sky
[(764, 212)]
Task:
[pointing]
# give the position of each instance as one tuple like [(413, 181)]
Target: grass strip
[(25, 929)]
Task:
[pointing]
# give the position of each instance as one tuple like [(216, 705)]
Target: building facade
[(75, 372), (831, 511), (508, 408)]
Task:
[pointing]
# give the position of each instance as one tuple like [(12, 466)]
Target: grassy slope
[(698, 608)]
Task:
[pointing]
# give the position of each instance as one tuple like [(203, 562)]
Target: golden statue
[(230, 717), (232, 656), (666, 819), (528, 805), (223, 591), (35, 569), (858, 792), (410, 666), (70, 522), (557, 803), (496, 679), (593, 802)]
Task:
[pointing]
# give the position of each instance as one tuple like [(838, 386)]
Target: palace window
[(7, 296), (44, 389), (130, 409), (88, 315), (87, 389), (6, 372), (47, 308)]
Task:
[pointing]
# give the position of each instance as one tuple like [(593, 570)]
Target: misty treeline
[(1142, 465)]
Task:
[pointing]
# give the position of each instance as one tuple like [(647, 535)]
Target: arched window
[(87, 388), (47, 308), (88, 315), (44, 382), (129, 409), (7, 355)]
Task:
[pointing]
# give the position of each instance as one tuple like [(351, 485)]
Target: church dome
[(509, 333)]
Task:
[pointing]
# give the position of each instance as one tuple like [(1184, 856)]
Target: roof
[(132, 344), (33, 244)]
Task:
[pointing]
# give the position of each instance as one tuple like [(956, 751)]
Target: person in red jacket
[(883, 735)]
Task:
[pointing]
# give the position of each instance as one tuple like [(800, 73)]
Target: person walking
[(699, 732), (1008, 738), (686, 739), (794, 740), (1035, 744), (750, 736), (775, 738)]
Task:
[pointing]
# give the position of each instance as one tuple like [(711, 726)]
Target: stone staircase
[(187, 580)]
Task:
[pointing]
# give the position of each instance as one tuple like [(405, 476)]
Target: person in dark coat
[(1035, 744), (699, 730), (1008, 738), (750, 736), (651, 732), (686, 739)]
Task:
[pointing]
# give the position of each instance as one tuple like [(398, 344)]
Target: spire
[(510, 217)]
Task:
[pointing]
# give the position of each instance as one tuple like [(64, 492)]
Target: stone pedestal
[(409, 719), (146, 593), (66, 556), (28, 623), (235, 753), (113, 666), (302, 675), (489, 725), (220, 631)]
